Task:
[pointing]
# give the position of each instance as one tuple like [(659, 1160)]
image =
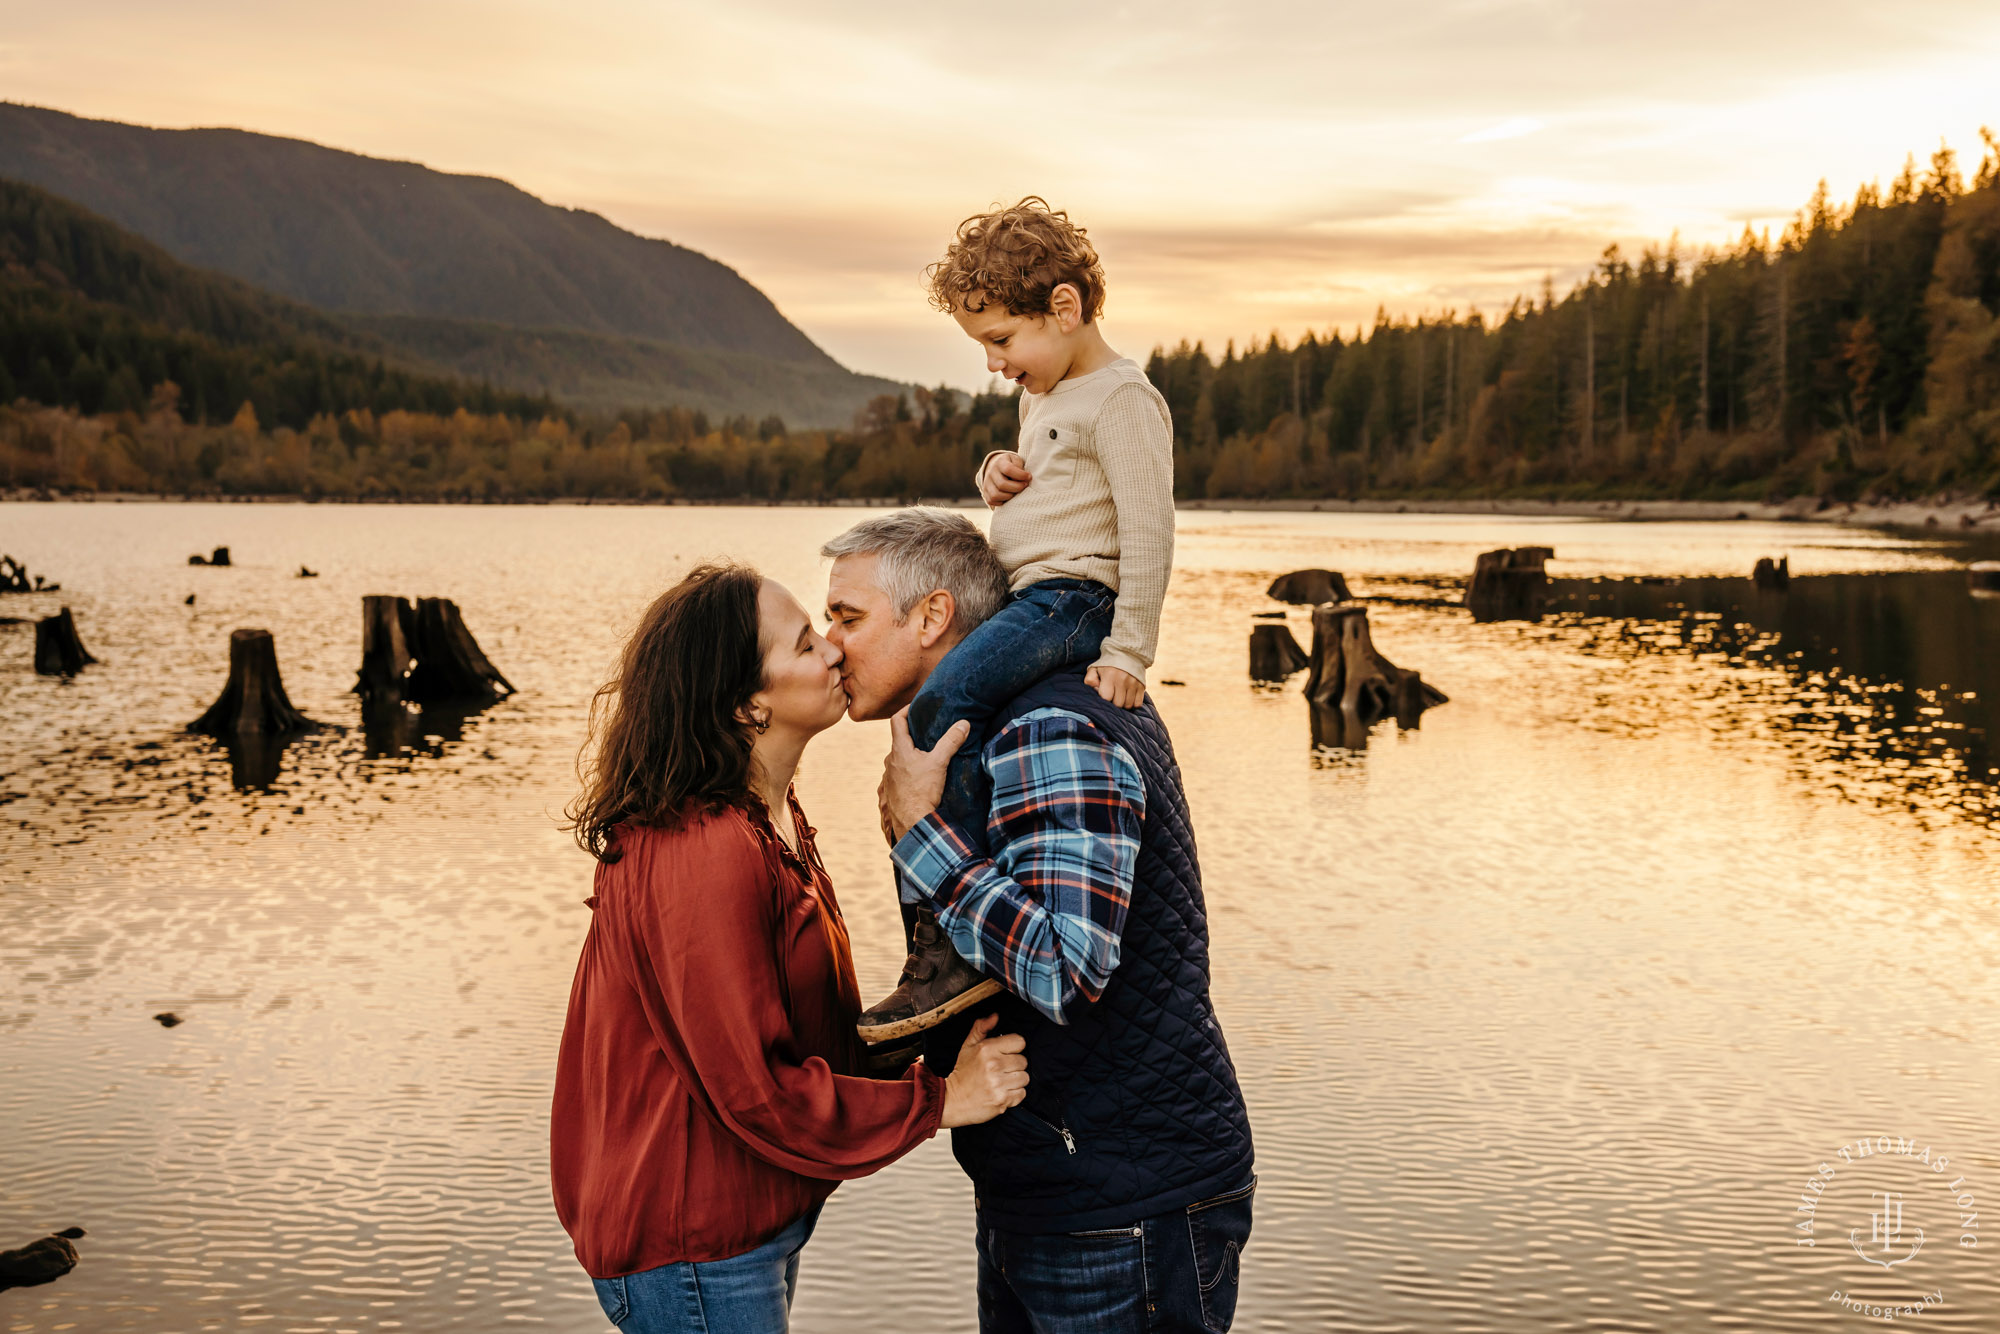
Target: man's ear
[(936, 614), (1066, 305)]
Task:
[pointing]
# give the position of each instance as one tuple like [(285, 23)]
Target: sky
[(1246, 168)]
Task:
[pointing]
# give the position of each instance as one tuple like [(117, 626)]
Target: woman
[(707, 1099)]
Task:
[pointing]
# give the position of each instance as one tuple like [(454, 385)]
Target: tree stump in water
[(385, 648), (450, 665), (1274, 654), (1509, 584), (1309, 588), (1772, 574), (1349, 675), (254, 701), (58, 651), (220, 557), (14, 579)]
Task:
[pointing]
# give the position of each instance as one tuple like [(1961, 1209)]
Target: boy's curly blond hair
[(1017, 256)]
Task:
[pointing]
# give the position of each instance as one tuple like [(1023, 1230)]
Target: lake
[(1550, 1012)]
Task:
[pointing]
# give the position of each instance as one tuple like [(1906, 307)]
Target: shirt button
[(1052, 433)]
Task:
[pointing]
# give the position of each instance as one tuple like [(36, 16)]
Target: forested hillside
[(1858, 352), (1854, 356), (466, 272), (96, 319)]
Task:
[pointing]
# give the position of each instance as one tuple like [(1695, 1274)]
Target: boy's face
[(1034, 351)]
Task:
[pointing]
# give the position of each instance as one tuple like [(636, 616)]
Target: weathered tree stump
[(1509, 584), (1773, 574), (41, 1261), (1348, 673), (450, 665), (219, 557), (1274, 654), (14, 579), (385, 650), (254, 702), (58, 651), (1309, 588)]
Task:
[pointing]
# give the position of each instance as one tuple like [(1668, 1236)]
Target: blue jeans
[(1044, 628), (749, 1293), (1177, 1273)]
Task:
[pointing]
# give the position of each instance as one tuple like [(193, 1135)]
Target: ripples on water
[(1545, 1009)]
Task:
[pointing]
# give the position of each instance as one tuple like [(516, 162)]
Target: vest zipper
[(1068, 1139)]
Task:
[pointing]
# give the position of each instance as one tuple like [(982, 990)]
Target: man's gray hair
[(923, 549)]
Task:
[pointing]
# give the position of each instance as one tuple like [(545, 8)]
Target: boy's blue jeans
[(749, 1293), (1043, 628)]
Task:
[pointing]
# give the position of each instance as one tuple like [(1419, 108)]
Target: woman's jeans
[(1043, 628), (749, 1293)]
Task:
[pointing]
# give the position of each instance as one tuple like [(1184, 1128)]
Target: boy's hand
[(1005, 476), (1117, 685)]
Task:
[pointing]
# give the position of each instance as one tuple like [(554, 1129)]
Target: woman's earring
[(762, 725)]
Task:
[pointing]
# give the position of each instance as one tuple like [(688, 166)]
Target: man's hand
[(1117, 685), (1005, 476), (912, 779)]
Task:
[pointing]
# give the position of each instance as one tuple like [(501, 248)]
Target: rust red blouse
[(706, 1093)]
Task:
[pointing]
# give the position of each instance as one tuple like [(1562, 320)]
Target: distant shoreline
[(1959, 515)]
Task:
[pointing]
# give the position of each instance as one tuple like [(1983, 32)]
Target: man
[(1118, 1197)]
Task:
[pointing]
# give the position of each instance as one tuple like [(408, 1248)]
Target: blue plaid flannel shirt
[(1046, 912)]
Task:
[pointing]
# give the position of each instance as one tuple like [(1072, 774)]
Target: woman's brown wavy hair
[(665, 740)]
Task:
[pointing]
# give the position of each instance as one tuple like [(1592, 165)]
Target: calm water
[(1546, 1011)]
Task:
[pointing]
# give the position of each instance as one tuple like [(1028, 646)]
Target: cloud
[(1518, 127)]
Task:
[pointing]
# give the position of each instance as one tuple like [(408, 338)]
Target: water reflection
[(1879, 676), (393, 729), (256, 758)]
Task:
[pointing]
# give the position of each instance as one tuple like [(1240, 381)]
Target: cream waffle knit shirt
[(1100, 448)]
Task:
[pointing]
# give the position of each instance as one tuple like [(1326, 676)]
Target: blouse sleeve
[(697, 940)]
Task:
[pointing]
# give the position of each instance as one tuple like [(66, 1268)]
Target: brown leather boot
[(936, 984)]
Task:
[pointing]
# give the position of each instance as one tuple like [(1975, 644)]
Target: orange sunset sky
[(1244, 167)]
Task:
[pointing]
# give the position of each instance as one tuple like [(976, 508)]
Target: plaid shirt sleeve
[(1045, 914)]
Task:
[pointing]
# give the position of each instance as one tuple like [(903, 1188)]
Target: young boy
[(1083, 520)]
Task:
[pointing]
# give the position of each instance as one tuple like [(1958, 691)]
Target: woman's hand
[(991, 1076)]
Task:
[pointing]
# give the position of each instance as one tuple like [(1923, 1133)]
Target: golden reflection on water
[(1544, 1008)]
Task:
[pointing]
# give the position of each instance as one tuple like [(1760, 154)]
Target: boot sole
[(903, 1028)]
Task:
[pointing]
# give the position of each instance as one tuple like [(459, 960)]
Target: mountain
[(445, 265), (95, 318)]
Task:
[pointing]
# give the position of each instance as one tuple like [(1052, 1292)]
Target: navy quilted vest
[(1133, 1107)]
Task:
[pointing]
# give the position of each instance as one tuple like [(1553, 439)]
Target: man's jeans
[(749, 1293), (1043, 628), (1173, 1274)]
